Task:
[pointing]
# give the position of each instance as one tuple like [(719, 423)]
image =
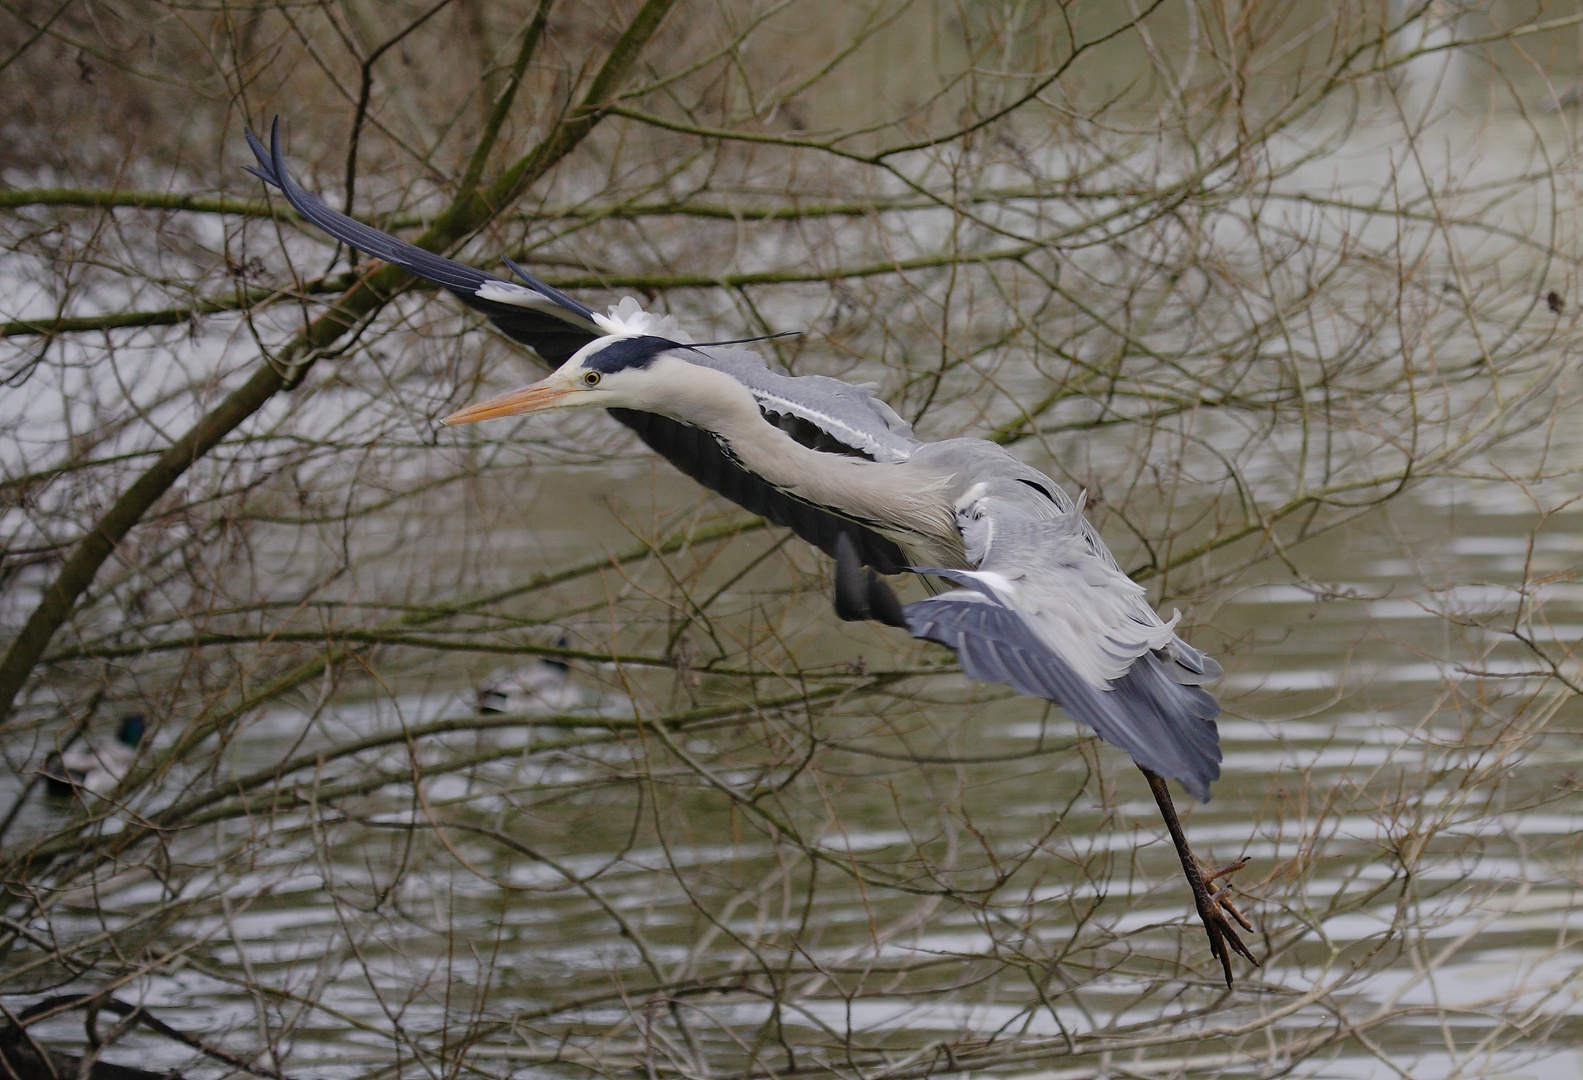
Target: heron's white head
[(615, 372)]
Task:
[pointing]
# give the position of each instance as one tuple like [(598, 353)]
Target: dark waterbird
[(1042, 604), (95, 768), (23, 1056)]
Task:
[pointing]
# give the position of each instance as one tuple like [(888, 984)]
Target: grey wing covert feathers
[(1047, 611), (817, 411)]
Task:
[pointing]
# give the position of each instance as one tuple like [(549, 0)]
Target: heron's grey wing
[(546, 320), (1008, 498), (1047, 612), (1164, 725), (818, 411), (699, 454)]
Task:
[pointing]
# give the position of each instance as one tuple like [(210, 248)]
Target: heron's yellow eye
[(591, 378)]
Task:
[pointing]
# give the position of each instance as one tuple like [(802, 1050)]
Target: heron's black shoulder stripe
[(700, 455), (812, 435), (626, 354), (1040, 488), (727, 452)]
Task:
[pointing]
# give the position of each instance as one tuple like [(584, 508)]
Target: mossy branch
[(468, 213)]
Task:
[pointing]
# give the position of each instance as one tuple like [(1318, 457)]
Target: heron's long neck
[(887, 495)]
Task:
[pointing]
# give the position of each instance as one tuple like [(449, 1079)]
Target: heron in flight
[(1040, 603)]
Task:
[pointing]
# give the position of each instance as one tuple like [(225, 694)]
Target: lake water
[(771, 843), (1397, 772)]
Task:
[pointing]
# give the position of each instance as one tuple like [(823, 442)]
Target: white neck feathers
[(901, 499)]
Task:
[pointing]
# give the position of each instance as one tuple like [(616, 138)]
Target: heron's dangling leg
[(860, 594), (1213, 904)]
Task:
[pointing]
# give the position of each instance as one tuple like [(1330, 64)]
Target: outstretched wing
[(543, 318), (1048, 613), (1164, 725)]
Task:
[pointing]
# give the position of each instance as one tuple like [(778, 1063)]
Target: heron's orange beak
[(541, 395)]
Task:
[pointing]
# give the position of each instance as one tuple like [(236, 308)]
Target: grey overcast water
[(764, 843)]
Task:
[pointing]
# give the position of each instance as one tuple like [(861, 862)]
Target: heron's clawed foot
[(1222, 895), (1214, 905)]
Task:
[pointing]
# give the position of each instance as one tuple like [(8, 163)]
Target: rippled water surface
[(1370, 727), (754, 840)]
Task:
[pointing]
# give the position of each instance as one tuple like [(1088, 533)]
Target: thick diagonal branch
[(472, 209)]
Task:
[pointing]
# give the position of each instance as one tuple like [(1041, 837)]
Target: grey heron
[(1041, 603)]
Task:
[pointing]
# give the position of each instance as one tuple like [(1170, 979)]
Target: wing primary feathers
[(425, 264), (544, 319), (556, 325), (551, 291), (1191, 666)]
